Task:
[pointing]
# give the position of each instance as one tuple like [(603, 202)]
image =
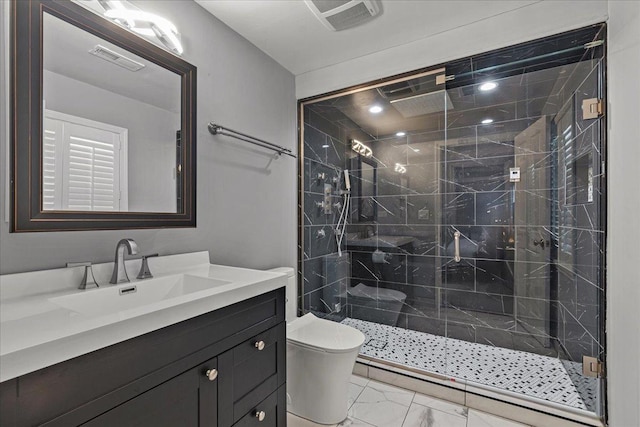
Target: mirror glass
[(368, 192), (111, 126)]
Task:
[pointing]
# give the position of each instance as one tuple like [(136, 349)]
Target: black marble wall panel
[(325, 273)]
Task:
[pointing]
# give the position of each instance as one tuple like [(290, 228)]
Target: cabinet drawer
[(273, 409), (172, 403), (250, 372)]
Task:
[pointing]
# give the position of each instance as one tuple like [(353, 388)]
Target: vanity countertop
[(36, 332)]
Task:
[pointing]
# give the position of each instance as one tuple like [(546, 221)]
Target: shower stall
[(475, 215)]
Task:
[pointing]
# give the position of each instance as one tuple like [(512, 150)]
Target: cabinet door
[(188, 400), (250, 372), (208, 393)]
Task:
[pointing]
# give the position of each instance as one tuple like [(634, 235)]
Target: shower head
[(347, 181)]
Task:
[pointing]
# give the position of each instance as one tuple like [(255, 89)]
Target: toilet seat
[(323, 335)]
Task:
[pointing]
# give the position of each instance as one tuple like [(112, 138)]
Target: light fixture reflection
[(360, 148), (401, 133), (146, 24), (375, 109), (487, 121), (487, 86)]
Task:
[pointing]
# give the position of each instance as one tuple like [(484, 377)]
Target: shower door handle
[(456, 246)]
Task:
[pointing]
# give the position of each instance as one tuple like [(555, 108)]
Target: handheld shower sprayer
[(342, 220)]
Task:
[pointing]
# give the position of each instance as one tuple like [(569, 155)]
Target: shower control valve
[(542, 243)]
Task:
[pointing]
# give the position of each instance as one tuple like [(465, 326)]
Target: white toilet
[(320, 359)]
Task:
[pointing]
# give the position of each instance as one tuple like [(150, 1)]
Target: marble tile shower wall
[(460, 181), (325, 157), (457, 178), (461, 184)]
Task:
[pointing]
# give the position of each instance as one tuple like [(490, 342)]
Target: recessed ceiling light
[(486, 121), (375, 109), (401, 133), (487, 86)]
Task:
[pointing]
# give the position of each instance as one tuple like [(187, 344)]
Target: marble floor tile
[(440, 405), (382, 405), (381, 413), (380, 391), (422, 416), (354, 422), (354, 392), (294, 421), (358, 380), (482, 419)]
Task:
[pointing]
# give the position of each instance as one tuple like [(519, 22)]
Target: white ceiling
[(66, 52), (288, 31)]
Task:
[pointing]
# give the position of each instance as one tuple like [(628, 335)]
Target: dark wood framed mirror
[(85, 155)]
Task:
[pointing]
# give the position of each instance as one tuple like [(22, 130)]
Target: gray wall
[(623, 285), (246, 199), (151, 136)]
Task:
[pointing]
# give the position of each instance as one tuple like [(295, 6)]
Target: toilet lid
[(323, 334)]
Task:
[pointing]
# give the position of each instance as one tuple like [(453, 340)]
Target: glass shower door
[(478, 227), (521, 232)]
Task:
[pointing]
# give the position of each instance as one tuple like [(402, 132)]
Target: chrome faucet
[(119, 271)]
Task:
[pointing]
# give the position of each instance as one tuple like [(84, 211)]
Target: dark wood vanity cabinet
[(222, 369)]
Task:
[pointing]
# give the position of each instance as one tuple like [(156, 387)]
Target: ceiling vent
[(339, 15), (115, 58), (426, 103)]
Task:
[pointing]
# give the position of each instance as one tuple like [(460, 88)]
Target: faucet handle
[(145, 273), (88, 270)]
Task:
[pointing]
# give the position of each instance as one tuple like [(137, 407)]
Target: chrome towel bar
[(215, 129)]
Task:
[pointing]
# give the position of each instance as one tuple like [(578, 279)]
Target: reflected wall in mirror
[(104, 129), (110, 124)]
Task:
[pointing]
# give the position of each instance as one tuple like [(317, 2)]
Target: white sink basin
[(129, 296)]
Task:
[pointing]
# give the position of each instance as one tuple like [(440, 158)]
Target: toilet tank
[(291, 293)]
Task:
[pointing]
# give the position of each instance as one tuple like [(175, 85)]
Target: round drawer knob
[(260, 345), (260, 415), (212, 374)]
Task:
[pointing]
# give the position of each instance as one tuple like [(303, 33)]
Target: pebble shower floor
[(542, 377)]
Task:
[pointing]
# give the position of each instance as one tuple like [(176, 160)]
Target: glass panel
[(514, 186), (471, 246)]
